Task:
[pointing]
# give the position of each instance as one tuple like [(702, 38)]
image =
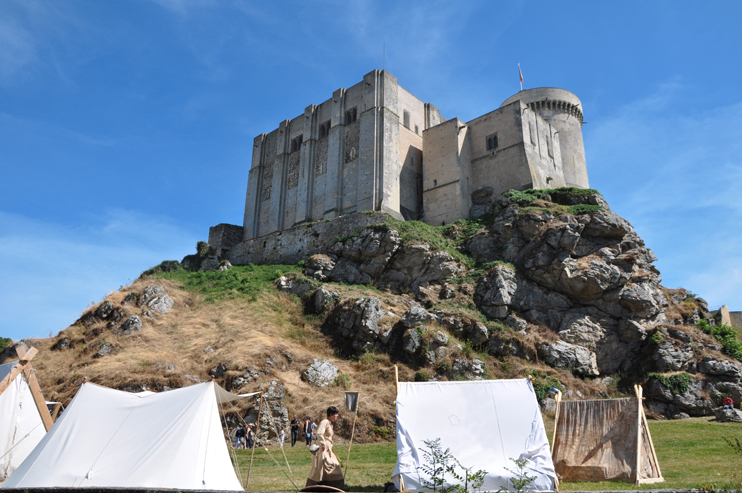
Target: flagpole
[(520, 73)]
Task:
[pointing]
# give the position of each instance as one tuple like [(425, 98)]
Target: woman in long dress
[(326, 468)]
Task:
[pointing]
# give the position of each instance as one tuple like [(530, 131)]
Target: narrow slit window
[(492, 142)]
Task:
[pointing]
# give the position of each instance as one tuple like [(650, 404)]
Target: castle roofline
[(544, 93)]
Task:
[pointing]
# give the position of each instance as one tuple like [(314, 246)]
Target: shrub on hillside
[(726, 335)]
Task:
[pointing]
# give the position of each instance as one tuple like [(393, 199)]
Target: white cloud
[(52, 273), (676, 175)]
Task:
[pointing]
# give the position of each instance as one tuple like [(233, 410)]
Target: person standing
[(294, 430), (308, 430), (282, 436), (326, 469), (250, 437)]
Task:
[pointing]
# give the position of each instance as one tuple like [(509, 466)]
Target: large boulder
[(415, 316), (357, 322), (726, 415), (579, 360), (162, 303), (692, 400), (320, 373)]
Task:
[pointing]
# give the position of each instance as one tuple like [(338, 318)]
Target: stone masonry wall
[(292, 245)]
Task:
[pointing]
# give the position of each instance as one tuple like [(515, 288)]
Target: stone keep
[(376, 147)]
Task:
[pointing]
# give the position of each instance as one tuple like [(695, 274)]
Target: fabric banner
[(351, 401)]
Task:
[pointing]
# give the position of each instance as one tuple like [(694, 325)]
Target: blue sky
[(126, 127)]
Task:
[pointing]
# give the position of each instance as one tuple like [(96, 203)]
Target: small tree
[(522, 480), (437, 462), (475, 479)]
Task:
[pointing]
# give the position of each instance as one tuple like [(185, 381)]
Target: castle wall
[(304, 171), (411, 154), (295, 244), (563, 111), (446, 172), (507, 166)]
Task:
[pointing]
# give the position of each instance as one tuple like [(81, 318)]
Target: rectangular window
[(406, 119), (492, 142), (350, 116), (324, 130), (296, 143), (417, 130)]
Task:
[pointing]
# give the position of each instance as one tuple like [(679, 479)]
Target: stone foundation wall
[(292, 245)]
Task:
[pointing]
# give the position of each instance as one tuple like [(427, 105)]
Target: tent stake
[(352, 434), (257, 428)]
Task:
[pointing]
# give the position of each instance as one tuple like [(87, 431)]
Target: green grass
[(244, 281), (691, 452), (371, 466)]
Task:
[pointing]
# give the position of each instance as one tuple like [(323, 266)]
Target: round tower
[(563, 111)]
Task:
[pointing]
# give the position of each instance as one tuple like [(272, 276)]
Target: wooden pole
[(649, 437), (638, 391), (33, 385), (352, 434), (396, 378), (252, 454), (558, 399)]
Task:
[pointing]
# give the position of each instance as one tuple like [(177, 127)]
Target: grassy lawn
[(370, 466), (692, 454)]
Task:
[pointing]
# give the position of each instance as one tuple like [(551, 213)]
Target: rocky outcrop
[(378, 255), (671, 404), (726, 415), (578, 359), (320, 373)]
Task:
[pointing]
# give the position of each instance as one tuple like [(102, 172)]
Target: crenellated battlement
[(557, 105)]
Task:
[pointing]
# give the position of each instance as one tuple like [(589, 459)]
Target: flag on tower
[(521, 77)]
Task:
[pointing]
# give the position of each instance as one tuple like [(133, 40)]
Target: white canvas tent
[(484, 423), (110, 438), (24, 417)]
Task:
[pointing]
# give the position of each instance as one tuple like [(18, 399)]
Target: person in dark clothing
[(308, 430), (250, 436), (294, 430)]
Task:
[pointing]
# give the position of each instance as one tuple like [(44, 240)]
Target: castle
[(376, 147)]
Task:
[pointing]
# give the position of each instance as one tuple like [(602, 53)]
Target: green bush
[(343, 381), (5, 342), (202, 249), (542, 384), (578, 209), (444, 367), (422, 376), (677, 383), (726, 335)]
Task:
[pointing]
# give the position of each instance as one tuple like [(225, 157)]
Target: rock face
[(570, 357), (378, 255), (320, 373), (589, 277)]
